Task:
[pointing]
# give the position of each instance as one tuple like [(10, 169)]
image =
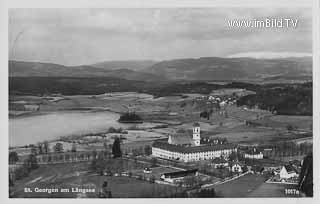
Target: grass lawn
[(77, 175), (273, 190), (240, 187), (124, 187), (281, 121)]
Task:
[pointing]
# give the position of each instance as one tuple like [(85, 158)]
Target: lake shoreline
[(37, 113), (47, 125)]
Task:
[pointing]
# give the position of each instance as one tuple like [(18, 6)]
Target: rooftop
[(290, 168), (196, 124), (236, 163), (253, 151), (178, 174), (181, 139), (219, 160)]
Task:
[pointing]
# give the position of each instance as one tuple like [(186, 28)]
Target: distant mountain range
[(135, 65), (39, 69), (208, 68), (214, 68)]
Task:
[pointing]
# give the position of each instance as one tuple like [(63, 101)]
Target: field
[(77, 175), (240, 187), (162, 116), (252, 185), (282, 121), (231, 91), (273, 190), (117, 102)]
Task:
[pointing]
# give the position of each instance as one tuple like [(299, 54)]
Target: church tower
[(196, 134)]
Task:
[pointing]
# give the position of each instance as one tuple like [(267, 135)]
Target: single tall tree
[(13, 157), (147, 150), (32, 162), (40, 149), (306, 176), (116, 149), (46, 147), (34, 150), (74, 147)]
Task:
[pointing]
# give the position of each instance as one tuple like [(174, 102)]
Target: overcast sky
[(85, 36)]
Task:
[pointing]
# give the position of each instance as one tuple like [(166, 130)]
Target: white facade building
[(190, 149), (188, 154), (253, 154), (236, 167)]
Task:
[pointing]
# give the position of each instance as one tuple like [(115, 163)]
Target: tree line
[(287, 100)]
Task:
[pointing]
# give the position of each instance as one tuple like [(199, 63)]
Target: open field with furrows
[(77, 175), (242, 113), (248, 136), (303, 123)]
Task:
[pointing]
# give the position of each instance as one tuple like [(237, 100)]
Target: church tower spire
[(196, 134)]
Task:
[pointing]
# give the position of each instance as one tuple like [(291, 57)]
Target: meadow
[(77, 175)]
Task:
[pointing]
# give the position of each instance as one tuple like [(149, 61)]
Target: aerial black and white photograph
[(180, 102)]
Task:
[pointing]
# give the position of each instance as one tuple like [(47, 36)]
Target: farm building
[(178, 175), (288, 171), (31, 107), (185, 148), (23, 106)]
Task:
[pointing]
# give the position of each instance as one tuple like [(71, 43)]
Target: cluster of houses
[(24, 106), (222, 101), (186, 148), (234, 166)]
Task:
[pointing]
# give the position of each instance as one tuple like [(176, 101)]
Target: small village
[(189, 160)]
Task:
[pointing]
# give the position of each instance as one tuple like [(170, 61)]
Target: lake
[(37, 128)]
